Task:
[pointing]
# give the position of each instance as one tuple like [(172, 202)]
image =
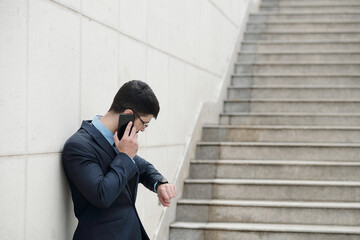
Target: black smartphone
[(124, 120)]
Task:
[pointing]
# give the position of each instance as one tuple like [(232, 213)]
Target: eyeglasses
[(144, 123)]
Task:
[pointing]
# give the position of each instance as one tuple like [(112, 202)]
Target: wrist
[(160, 182)]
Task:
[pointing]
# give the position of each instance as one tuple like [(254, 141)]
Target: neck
[(110, 120)]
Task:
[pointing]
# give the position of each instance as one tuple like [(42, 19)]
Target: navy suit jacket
[(103, 186)]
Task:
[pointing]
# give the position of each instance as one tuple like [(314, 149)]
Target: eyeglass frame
[(144, 123)]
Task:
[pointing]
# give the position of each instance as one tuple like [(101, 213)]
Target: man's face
[(141, 122)]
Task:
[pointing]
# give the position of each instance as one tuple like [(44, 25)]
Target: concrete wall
[(62, 61)]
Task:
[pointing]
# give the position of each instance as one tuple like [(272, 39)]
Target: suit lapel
[(101, 140)]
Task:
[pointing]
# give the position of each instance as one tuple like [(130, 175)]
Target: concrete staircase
[(284, 161)]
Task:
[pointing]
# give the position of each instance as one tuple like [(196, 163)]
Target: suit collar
[(99, 138)]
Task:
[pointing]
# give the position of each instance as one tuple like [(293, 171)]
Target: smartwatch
[(161, 181)]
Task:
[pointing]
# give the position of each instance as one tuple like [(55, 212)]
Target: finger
[(169, 191), (173, 191), (164, 203), (133, 132), (164, 195), (167, 202), (116, 139), (127, 130)]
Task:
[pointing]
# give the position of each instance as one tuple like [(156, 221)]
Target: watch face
[(163, 180)]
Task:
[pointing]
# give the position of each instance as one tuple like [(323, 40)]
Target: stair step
[(310, 7), (247, 80), (302, 35), (307, 1), (278, 151), (283, 57), (315, 4), (306, 21), (220, 231), (298, 92), (317, 16), (288, 68), (237, 211), (272, 190), (296, 25), (309, 46), (221, 133), (280, 169), (291, 105), (304, 119)]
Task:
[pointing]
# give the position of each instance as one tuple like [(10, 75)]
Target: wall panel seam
[(28, 155), (26, 117), (223, 14)]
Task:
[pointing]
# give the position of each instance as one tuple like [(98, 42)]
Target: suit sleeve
[(83, 170), (148, 174)]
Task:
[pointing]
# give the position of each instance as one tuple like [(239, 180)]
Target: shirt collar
[(103, 130)]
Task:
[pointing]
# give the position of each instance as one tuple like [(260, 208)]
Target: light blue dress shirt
[(104, 131)]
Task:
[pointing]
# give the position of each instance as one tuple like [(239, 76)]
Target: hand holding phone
[(124, 120), (127, 142)]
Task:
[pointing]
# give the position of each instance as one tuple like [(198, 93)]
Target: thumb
[(115, 137), (163, 202)]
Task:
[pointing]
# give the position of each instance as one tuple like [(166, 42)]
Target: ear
[(128, 111)]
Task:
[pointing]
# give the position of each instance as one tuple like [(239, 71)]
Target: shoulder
[(81, 136), (81, 141)]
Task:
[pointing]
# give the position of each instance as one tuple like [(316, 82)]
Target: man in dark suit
[(104, 171)]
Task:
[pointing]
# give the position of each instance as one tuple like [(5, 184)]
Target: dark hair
[(137, 96)]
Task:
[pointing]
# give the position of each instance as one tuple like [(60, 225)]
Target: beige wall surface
[(62, 61)]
